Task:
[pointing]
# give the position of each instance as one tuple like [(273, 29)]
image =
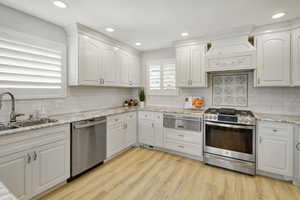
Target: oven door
[(234, 141)]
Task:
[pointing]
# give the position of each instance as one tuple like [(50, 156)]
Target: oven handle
[(230, 125)]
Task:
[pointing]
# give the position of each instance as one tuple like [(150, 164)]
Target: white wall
[(266, 100), (78, 98)]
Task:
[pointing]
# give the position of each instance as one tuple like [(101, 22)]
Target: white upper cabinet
[(89, 61), (109, 66), (190, 66), (273, 59), (96, 59), (182, 66), (296, 58)]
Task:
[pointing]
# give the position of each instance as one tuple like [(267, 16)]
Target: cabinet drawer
[(145, 115), (131, 115), (184, 136), (115, 119), (274, 129), (158, 117), (184, 147)]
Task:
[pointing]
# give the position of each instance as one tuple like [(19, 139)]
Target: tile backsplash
[(284, 100), (230, 90)]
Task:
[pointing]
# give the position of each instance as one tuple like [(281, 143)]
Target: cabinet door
[(275, 155), (134, 71), (131, 130), (273, 59), (89, 61), (51, 166), (109, 66), (15, 174), (146, 132), (183, 67), (124, 72), (197, 72), (115, 138), (296, 58)]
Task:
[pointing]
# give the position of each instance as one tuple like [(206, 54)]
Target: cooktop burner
[(230, 115)]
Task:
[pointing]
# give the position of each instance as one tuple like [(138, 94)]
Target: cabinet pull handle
[(258, 81), (297, 146), (274, 130), (34, 156), (181, 135), (180, 146), (152, 125), (28, 158)]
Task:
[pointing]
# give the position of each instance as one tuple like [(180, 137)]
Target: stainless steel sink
[(25, 123), (5, 127)]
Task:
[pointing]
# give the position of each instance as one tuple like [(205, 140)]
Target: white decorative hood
[(231, 54)]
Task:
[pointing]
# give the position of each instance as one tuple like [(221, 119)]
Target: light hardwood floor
[(142, 174)]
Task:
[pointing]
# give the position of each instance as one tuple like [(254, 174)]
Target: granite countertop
[(73, 117), (278, 118)]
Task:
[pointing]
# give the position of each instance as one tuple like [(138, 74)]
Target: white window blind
[(162, 77), (31, 69)]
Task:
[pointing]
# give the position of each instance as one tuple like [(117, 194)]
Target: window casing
[(161, 77), (31, 67)]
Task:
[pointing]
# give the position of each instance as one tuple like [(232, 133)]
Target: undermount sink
[(25, 123)]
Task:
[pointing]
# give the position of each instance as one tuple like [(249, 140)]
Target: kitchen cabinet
[(273, 59), (89, 61), (151, 128), (97, 60), (297, 156), (35, 161), (190, 66), (275, 148), (121, 132), (131, 129), (15, 174), (115, 135), (296, 57)]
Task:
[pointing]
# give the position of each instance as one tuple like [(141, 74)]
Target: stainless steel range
[(229, 139)]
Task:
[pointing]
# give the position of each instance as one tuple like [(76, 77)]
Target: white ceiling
[(156, 23)]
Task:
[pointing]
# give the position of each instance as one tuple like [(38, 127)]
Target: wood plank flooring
[(142, 174)]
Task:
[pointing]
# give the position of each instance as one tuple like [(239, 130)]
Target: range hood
[(231, 54)]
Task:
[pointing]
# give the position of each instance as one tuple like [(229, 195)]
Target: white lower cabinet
[(275, 148), (35, 161), (151, 128), (184, 141), (121, 132), (297, 156)]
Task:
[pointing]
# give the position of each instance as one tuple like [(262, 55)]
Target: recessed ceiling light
[(60, 4), (138, 44), (278, 15), (185, 34), (110, 30)]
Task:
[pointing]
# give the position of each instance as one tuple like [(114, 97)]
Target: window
[(162, 77), (31, 67)]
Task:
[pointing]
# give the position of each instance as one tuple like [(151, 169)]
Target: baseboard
[(275, 176)]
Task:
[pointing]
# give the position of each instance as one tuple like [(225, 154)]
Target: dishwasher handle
[(89, 124)]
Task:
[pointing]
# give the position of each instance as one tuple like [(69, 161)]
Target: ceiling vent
[(231, 54)]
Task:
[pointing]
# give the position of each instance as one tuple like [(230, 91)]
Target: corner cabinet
[(273, 59), (35, 161), (121, 133), (275, 148), (97, 60), (151, 128), (296, 57), (190, 66)]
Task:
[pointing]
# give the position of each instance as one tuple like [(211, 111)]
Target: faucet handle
[(20, 114)]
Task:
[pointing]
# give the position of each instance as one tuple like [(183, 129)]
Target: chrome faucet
[(13, 114)]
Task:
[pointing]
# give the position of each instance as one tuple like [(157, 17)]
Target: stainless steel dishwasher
[(88, 145)]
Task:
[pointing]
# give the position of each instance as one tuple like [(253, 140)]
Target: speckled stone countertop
[(73, 117), (278, 118)]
